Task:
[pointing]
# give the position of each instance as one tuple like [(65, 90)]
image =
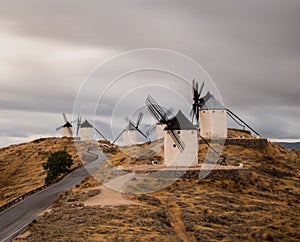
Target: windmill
[(210, 114), (131, 130), (67, 127), (87, 131), (180, 136)]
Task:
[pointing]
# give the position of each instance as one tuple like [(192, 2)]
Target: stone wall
[(247, 143), (202, 174)]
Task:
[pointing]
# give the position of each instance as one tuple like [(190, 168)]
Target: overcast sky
[(251, 49)]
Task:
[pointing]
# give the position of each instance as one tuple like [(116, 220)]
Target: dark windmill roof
[(180, 122), (209, 102), (86, 124), (67, 125)]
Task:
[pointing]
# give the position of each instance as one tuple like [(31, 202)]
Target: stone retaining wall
[(247, 143), (203, 174)]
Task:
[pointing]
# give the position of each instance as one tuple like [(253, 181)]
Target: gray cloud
[(250, 48)]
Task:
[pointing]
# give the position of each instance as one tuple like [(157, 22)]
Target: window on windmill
[(178, 132), (174, 145), (214, 111)]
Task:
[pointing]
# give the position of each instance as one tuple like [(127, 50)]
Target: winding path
[(16, 218)]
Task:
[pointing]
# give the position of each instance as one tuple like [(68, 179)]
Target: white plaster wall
[(160, 131), (130, 137), (189, 156), (87, 134), (67, 132), (213, 123)]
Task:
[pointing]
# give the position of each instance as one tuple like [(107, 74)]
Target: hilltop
[(260, 202)]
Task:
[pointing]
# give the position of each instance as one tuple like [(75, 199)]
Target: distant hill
[(295, 145)]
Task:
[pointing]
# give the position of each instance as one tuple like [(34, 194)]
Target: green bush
[(57, 164)]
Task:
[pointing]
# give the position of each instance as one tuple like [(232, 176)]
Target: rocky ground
[(261, 204)]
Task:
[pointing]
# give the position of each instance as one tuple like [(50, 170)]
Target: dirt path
[(175, 216), (109, 197)]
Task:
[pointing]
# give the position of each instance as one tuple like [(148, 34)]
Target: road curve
[(17, 217)]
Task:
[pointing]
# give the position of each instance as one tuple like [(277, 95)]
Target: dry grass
[(21, 165), (260, 206)]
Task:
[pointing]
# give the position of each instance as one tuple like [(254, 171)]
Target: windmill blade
[(70, 131), (169, 112), (194, 84), (150, 130), (201, 89), (58, 128), (178, 142), (99, 132), (195, 112), (118, 136), (139, 119), (65, 117), (192, 114), (154, 113), (78, 124), (156, 110), (137, 129)]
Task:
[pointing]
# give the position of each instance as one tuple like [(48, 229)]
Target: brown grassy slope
[(260, 206), (21, 165)]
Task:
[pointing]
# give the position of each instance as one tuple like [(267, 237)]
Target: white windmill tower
[(131, 131), (160, 130), (180, 137), (66, 128), (213, 118), (209, 113), (86, 131)]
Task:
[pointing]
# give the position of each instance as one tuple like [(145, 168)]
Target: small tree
[(58, 163)]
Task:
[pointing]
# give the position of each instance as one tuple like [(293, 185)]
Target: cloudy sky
[(48, 49)]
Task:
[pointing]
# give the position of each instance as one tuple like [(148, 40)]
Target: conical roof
[(86, 124), (67, 125), (209, 102), (180, 122)]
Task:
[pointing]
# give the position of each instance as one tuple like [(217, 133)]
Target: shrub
[(57, 164)]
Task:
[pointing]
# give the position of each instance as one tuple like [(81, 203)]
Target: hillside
[(295, 145), (258, 203), (21, 165)]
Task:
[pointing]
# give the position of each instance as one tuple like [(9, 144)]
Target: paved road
[(17, 217)]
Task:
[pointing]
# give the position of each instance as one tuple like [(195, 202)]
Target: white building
[(67, 130), (86, 131), (212, 118), (160, 131), (187, 133), (130, 136)]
